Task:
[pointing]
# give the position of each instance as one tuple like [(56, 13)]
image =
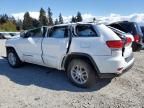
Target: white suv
[(85, 51)]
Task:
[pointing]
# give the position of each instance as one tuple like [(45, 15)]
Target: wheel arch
[(82, 56), (8, 48)]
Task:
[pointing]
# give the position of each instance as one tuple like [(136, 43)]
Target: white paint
[(2, 47)]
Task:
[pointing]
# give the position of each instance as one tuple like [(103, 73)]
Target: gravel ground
[(38, 87)]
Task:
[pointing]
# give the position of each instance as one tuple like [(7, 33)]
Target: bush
[(8, 26)]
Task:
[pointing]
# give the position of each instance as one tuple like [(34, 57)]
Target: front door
[(30, 46)]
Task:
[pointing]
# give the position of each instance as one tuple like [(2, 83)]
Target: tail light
[(115, 44), (137, 38), (128, 41)]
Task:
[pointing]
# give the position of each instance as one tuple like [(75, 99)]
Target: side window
[(85, 31), (35, 33), (58, 32)]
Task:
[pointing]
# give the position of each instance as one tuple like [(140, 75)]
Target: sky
[(106, 11), (70, 7)]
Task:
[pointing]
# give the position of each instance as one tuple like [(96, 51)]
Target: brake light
[(128, 40), (115, 44), (137, 38)]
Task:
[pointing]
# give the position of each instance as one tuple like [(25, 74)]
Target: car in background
[(8, 35), (142, 29), (134, 29)]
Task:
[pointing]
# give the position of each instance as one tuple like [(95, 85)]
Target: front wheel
[(81, 73), (13, 59)]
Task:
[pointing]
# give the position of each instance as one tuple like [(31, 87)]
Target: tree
[(3, 18), (12, 19), (79, 17), (56, 22), (36, 23), (73, 20), (50, 19), (27, 22), (19, 24), (42, 18), (61, 19), (94, 19)]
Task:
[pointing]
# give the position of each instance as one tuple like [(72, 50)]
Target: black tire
[(90, 81), (17, 62)]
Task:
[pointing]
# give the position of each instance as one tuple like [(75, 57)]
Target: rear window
[(138, 28), (130, 28), (117, 26)]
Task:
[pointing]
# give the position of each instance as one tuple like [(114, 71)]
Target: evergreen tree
[(42, 18), (3, 18), (73, 20), (27, 22), (61, 19), (79, 17), (56, 22), (19, 24), (12, 19), (94, 19), (50, 19), (36, 23)]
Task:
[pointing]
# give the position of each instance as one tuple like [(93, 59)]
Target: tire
[(13, 59), (81, 74)]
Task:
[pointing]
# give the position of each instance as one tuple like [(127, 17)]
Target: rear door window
[(59, 32), (85, 31)]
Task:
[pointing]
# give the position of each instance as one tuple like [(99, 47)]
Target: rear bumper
[(112, 75), (111, 66)]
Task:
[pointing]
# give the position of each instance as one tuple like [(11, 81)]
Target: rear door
[(55, 46)]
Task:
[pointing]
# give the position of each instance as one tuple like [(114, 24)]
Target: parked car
[(86, 51), (8, 35), (142, 29), (134, 29)]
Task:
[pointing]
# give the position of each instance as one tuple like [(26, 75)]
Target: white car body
[(52, 52)]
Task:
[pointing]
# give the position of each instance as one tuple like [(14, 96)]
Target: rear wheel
[(81, 73), (13, 59)]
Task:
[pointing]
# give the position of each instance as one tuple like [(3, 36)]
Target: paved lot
[(32, 86)]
